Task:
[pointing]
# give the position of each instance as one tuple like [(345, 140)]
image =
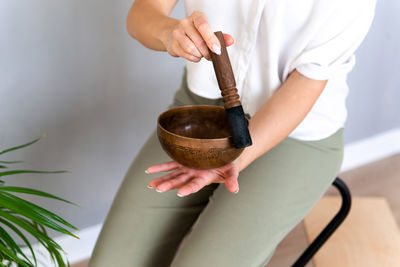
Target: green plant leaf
[(49, 251), (34, 212), (17, 212), (17, 205), (42, 229), (58, 257), (27, 226), (10, 162), (22, 146), (40, 210), (25, 190), (19, 233), (11, 243), (8, 240), (52, 251), (2, 241), (27, 171), (12, 256)]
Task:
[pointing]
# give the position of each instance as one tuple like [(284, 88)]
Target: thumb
[(228, 39), (232, 184)]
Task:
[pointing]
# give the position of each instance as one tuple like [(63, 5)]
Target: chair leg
[(331, 227)]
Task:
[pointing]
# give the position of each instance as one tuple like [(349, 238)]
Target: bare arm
[(280, 115), (148, 22)]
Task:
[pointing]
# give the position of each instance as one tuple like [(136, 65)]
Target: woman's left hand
[(190, 180)]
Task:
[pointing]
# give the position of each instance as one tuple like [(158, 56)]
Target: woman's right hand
[(191, 37)]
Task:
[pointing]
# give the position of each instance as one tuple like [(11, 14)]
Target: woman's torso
[(274, 37)]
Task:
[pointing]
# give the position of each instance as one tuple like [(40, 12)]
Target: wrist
[(243, 160), (168, 24)]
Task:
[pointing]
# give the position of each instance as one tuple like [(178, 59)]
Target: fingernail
[(180, 195), (216, 49), (159, 190), (236, 191), (146, 171), (148, 186)]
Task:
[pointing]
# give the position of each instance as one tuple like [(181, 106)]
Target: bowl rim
[(185, 137)]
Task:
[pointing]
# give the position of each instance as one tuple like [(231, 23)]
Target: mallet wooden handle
[(238, 123), (223, 71)]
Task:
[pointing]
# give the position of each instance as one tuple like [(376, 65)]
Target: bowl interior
[(201, 122)]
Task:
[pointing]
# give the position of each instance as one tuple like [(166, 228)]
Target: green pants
[(213, 227)]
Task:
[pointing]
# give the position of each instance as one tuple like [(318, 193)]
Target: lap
[(276, 192), (144, 227)]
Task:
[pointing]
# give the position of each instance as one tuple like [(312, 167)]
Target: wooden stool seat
[(368, 237)]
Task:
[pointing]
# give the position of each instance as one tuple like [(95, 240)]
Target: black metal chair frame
[(331, 227)]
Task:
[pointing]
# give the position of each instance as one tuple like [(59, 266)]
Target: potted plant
[(24, 217)]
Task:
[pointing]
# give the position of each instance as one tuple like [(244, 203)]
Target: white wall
[(68, 68), (373, 101)]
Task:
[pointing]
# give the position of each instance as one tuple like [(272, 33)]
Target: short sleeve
[(330, 50)]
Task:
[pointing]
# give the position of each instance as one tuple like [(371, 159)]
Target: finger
[(174, 182), (193, 186), (201, 23), (163, 167), (228, 39), (186, 44), (196, 38), (232, 184), (179, 50), (155, 182)]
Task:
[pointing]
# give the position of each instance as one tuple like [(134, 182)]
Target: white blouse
[(274, 37)]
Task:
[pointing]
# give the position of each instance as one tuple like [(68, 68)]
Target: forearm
[(148, 22), (280, 115)]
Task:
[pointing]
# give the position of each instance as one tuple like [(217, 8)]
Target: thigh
[(276, 192), (144, 227)]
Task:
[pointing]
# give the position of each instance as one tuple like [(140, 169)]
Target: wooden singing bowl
[(197, 136)]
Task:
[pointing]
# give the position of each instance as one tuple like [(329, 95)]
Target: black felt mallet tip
[(238, 126)]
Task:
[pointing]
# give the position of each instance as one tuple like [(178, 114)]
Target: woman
[(290, 59)]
